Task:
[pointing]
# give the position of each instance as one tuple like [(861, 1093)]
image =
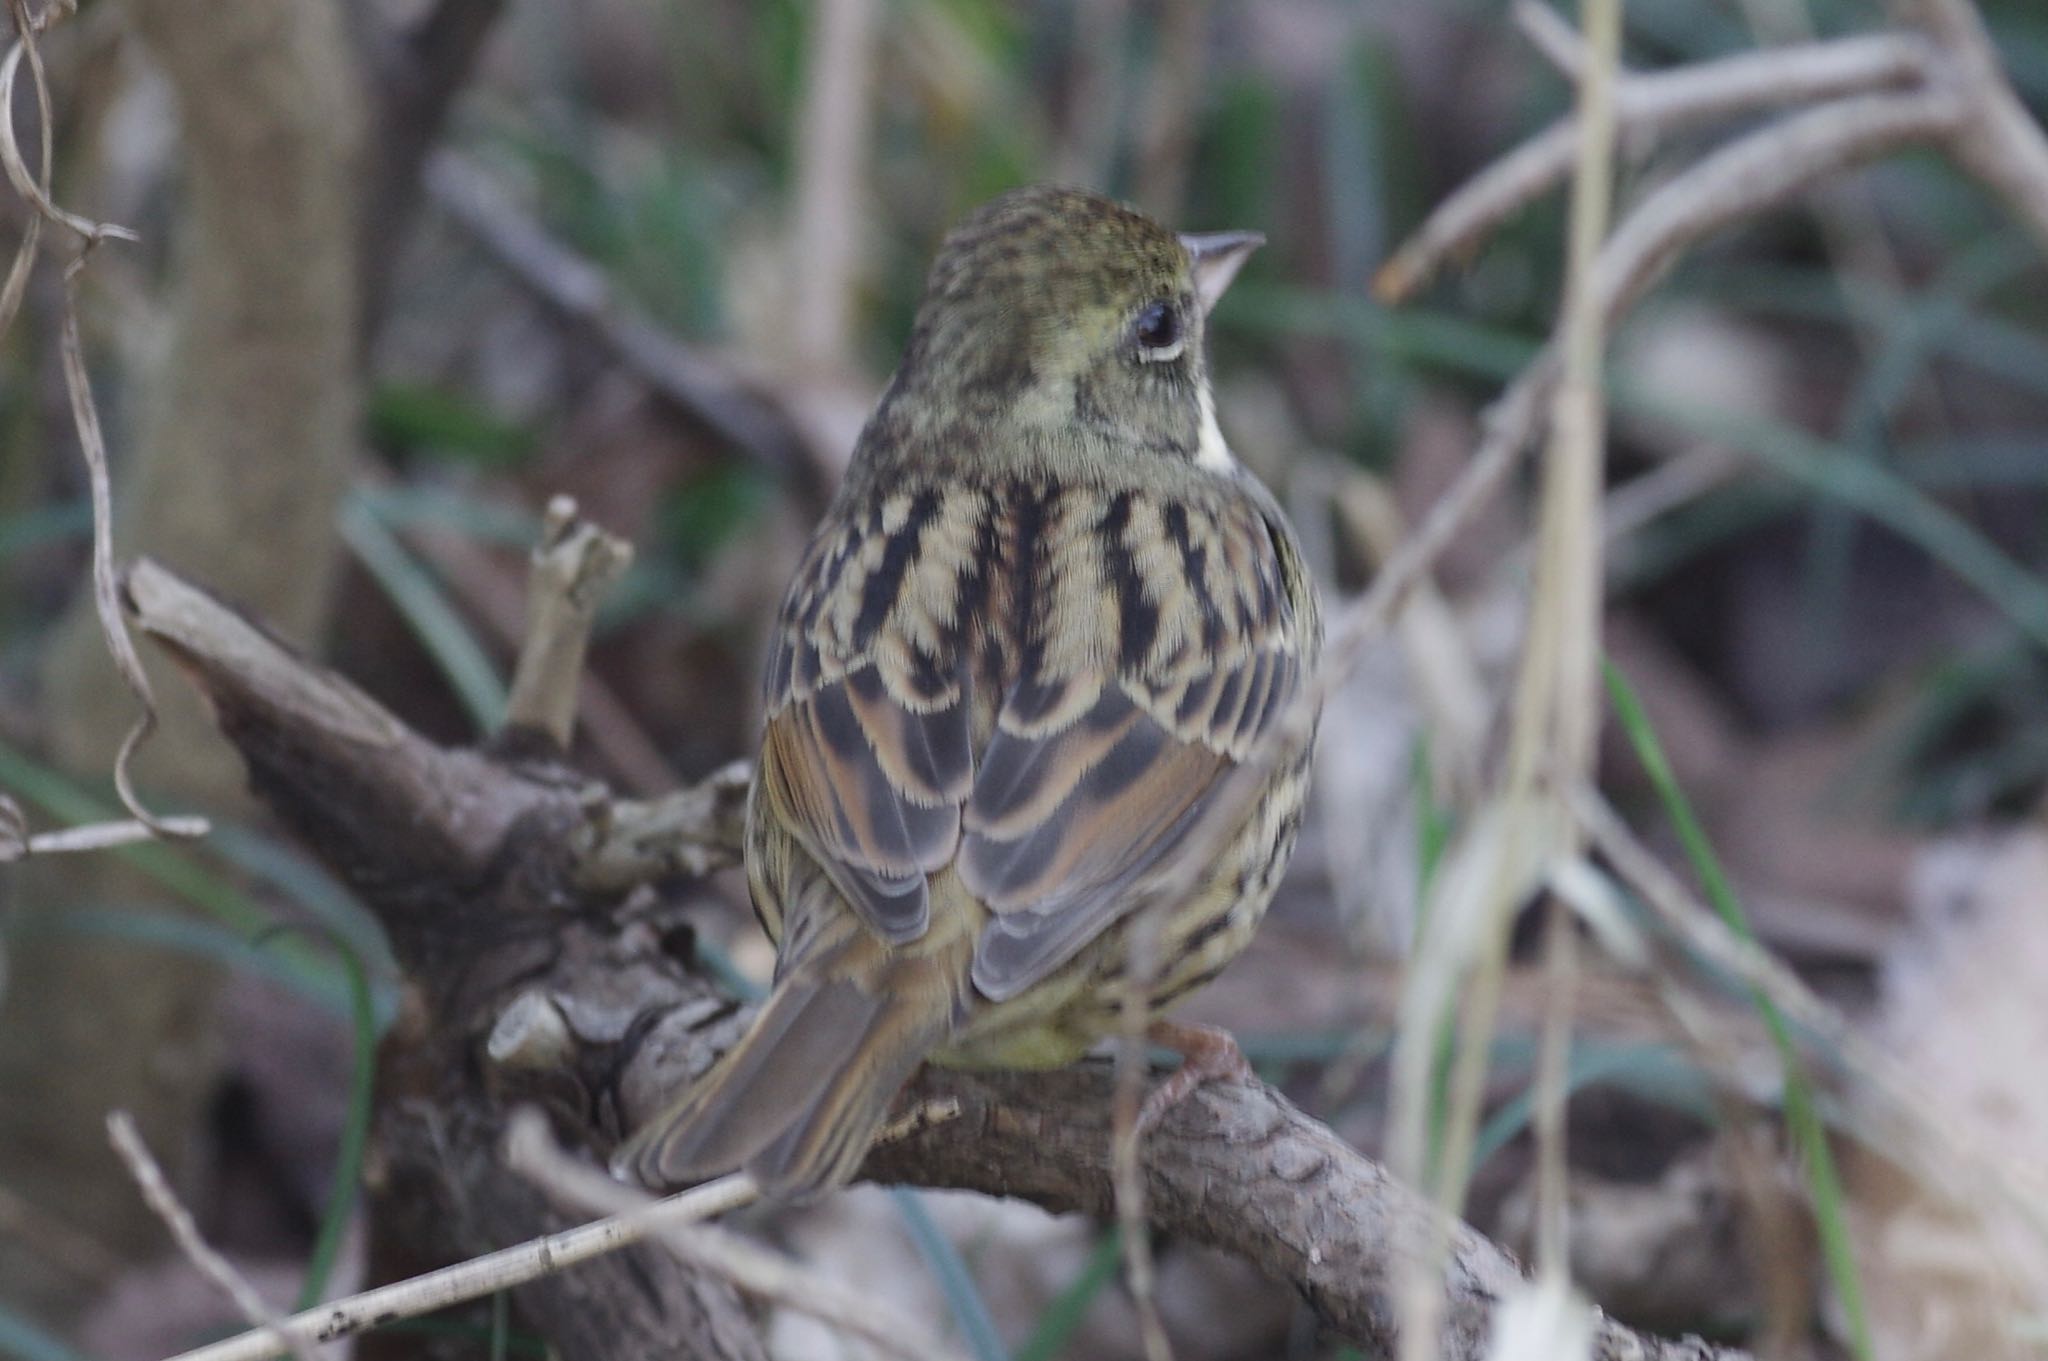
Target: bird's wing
[(867, 758), (1152, 640), (1095, 774)]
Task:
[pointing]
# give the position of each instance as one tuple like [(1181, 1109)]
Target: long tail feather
[(798, 1100)]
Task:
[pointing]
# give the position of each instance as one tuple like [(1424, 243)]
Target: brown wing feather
[(872, 790), (1143, 645), (1068, 820), (867, 757)]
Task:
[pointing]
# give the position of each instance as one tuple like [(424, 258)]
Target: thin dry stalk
[(831, 163), (1141, 968), (92, 444), (530, 1151), (1562, 722), (485, 1275), (32, 234), (149, 1179), (1553, 729), (1095, 85), (1166, 141)]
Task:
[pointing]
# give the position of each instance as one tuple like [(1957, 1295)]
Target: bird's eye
[(1158, 333)]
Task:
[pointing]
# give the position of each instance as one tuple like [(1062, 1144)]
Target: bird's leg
[(1207, 1053)]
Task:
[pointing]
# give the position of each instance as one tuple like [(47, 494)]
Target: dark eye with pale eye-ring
[(1157, 332)]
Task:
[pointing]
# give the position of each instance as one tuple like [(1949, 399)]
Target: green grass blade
[(355, 1133), (1067, 1310), (441, 631), (175, 868), (141, 925), (24, 1341), (963, 1296), (38, 525), (1655, 1072), (309, 885), (1801, 1112), (1879, 493)]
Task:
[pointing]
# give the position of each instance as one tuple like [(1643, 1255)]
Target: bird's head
[(1056, 309)]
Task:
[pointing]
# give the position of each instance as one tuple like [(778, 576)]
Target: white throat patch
[(1210, 450)]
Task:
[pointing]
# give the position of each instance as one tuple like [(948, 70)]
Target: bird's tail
[(797, 1102)]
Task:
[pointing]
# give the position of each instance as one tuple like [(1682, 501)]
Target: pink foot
[(1207, 1054)]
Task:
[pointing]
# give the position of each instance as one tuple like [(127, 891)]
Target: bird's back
[(997, 704)]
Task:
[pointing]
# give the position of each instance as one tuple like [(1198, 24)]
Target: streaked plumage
[(1042, 625)]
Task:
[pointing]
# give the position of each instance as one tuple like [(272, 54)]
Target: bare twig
[(483, 1275), (1998, 140), (473, 575), (1647, 107), (1760, 171), (105, 596), (1554, 39), (573, 565), (533, 1153), (16, 841), (702, 386), (32, 234), (149, 1178)]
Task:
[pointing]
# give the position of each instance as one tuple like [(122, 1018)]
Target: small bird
[(1018, 683)]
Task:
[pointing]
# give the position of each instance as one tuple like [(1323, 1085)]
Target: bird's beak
[(1218, 256)]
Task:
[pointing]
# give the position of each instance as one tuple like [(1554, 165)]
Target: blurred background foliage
[(1840, 633)]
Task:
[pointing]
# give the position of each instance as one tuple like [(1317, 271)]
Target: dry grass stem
[(1141, 968), (531, 1151), (485, 1275), (1166, 136), (149, 1179), (85, 416), (1555, 736), (1551, 736), (831, 163)]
